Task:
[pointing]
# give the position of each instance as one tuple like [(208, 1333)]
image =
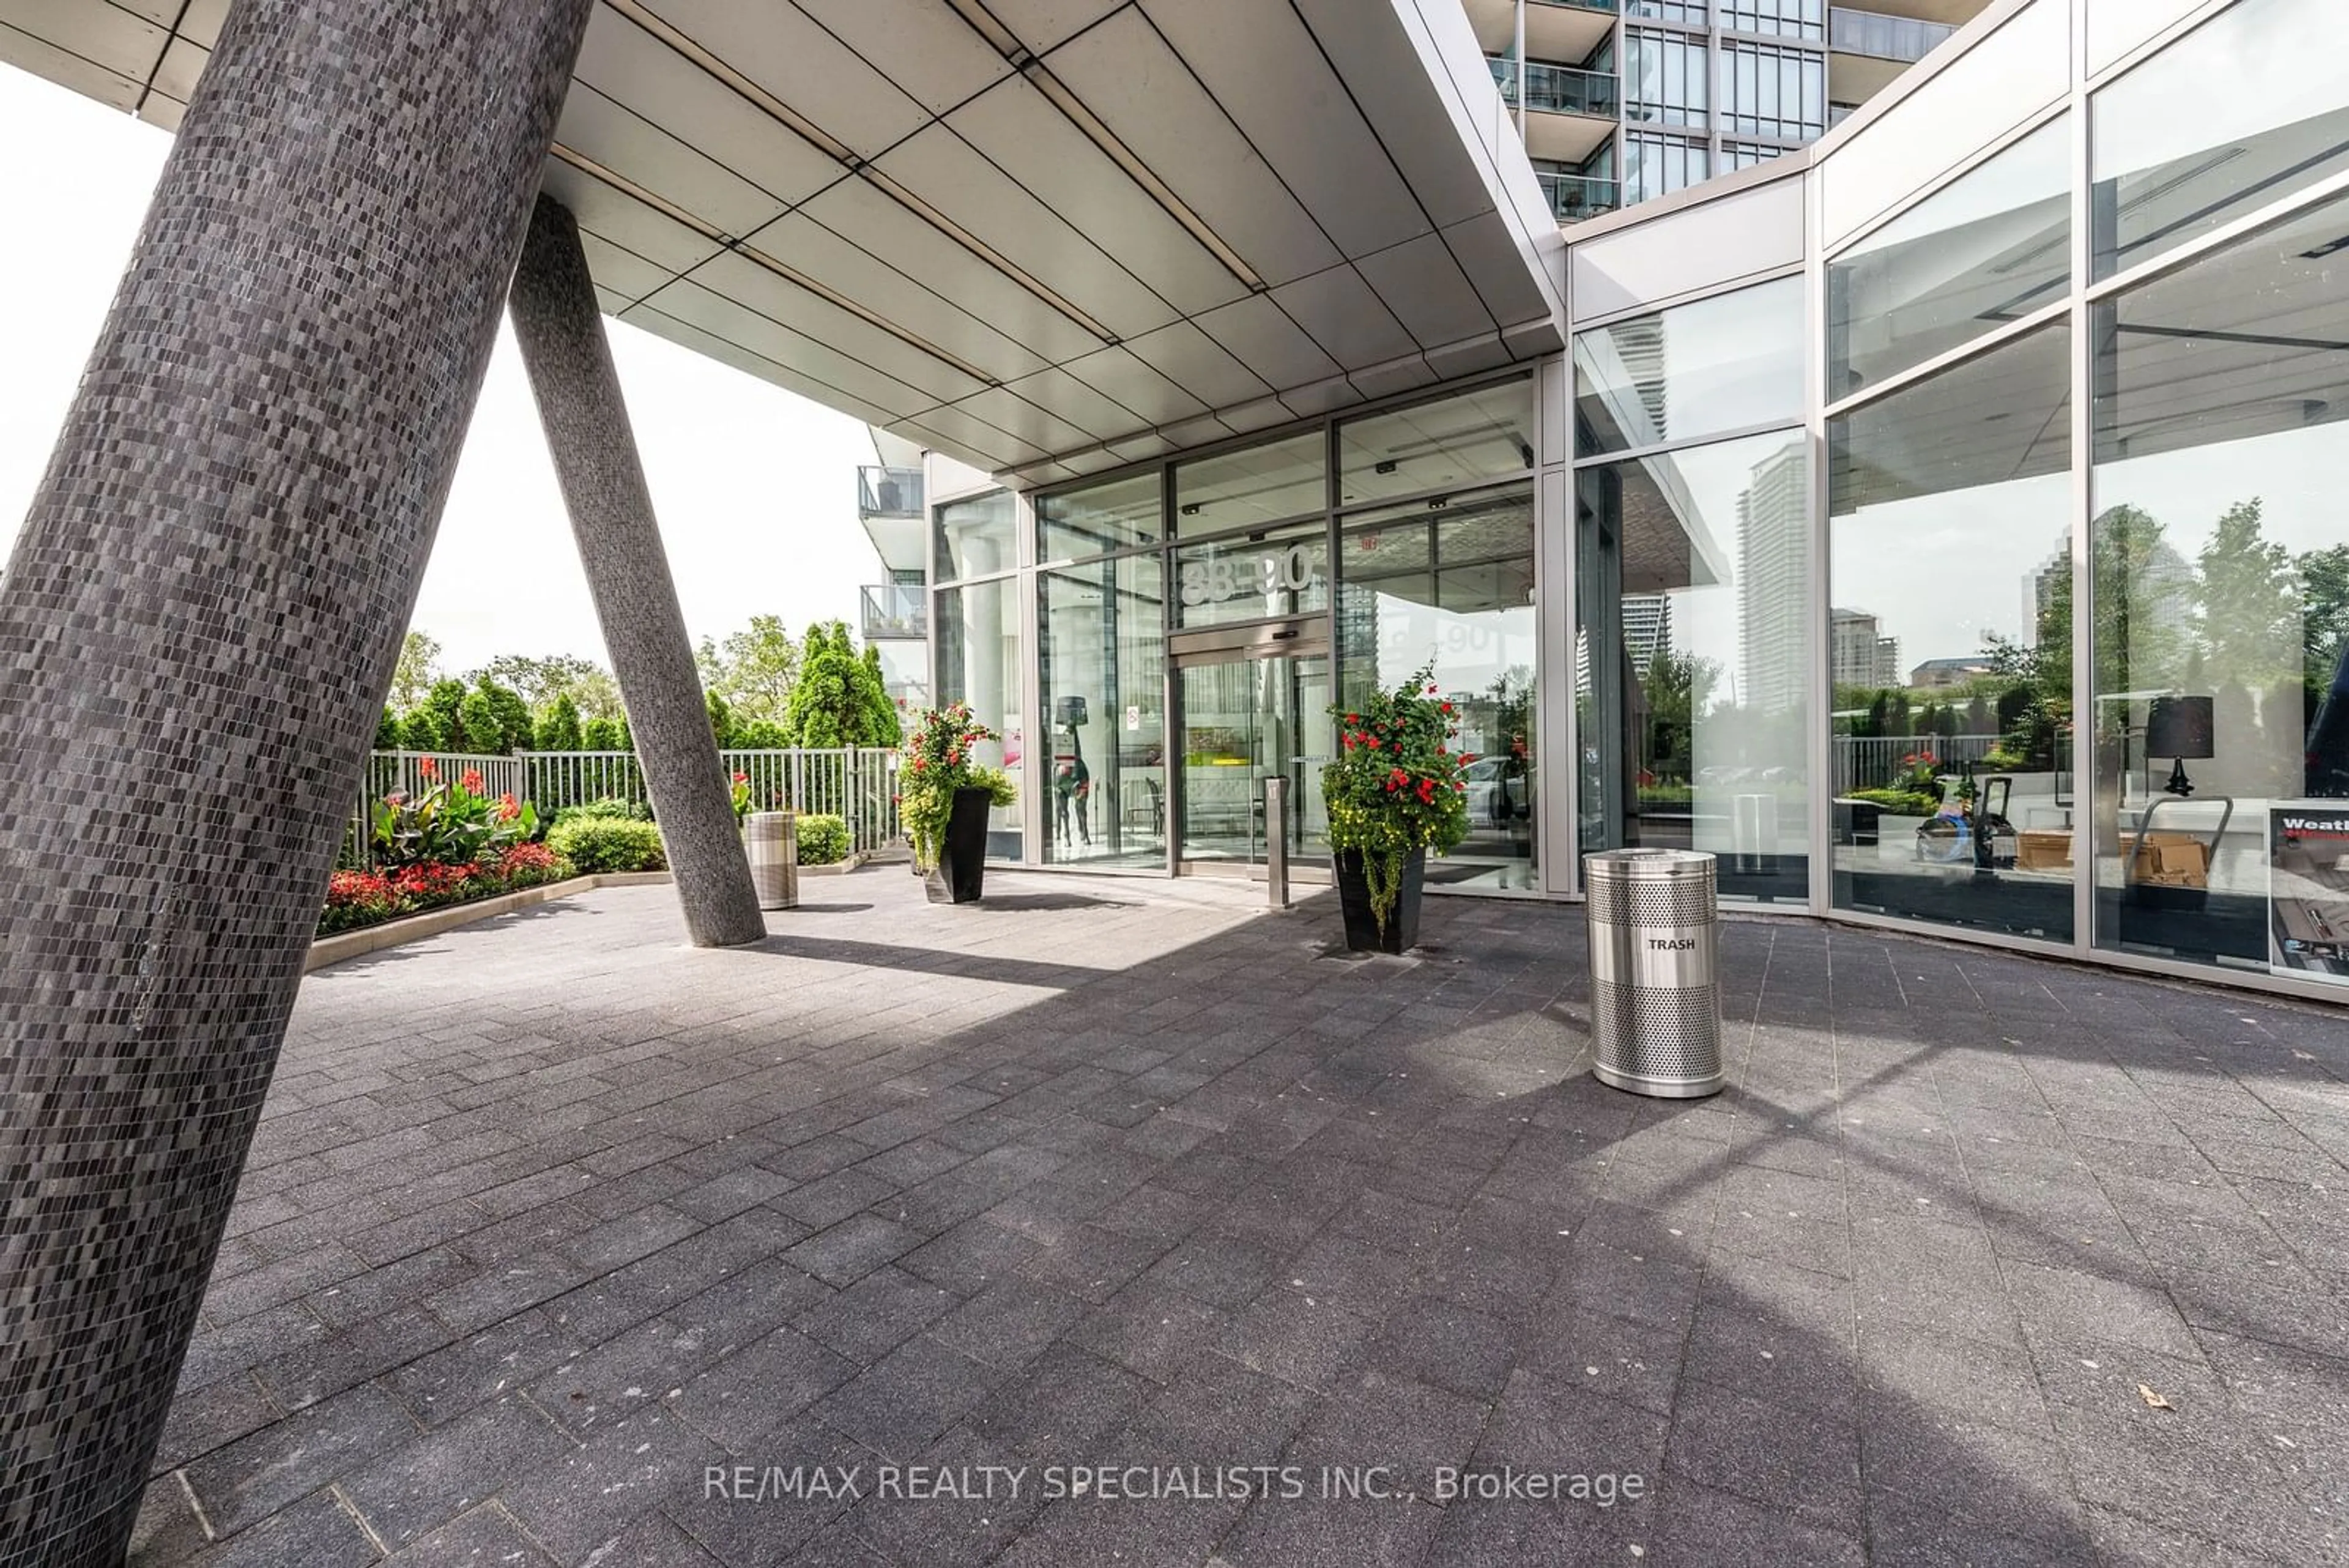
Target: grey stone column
[(561, 330), (197, 628)]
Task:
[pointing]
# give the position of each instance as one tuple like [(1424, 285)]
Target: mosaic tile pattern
[(198, 625), (561, 330)]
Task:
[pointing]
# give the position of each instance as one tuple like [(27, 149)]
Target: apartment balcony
[(1574, 197), (888, 492), (894, 612), (1555, 30), (1867, 49), (1569, 112)]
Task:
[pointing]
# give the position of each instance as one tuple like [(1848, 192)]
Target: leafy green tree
[(511, 713), (887, 727), (421, 732), (386, 732), (1880, 714), (540, 681), (753, 670), (760, 735), (478, 727), (2250, 619), (418, 669), (559, 730), (721, 720), (435, 725), (602, 735), (2324, 618), (834, 702)]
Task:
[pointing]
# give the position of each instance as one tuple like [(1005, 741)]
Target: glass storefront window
[(1730, 362), (1454, 585), (1692, 678), (976, 643), (1950, 579), (976, 536), (1104, 693), (2219, 576), (1992, 246), (2244, 110), (1268, 484), (1253, 576), (1485, 434), (1099, 519)]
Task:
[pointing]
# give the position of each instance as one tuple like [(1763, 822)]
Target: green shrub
[(608, 843), (823, 839), (611, 808)]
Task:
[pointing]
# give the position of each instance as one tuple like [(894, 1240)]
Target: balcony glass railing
[(1902, 38), (1557, 89), (894, 610), (1574, 197), (1606, 5), (888, 492)]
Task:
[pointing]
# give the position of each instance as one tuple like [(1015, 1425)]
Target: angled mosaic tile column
[(561, 330), (197, 628)]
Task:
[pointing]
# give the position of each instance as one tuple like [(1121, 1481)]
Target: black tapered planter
[(1363, 933), (962, 858)]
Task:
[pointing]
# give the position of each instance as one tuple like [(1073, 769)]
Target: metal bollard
[(1275, 841), (772, 840), (1655, 996)]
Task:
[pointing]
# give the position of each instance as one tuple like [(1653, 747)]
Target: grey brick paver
[(549, 1217)]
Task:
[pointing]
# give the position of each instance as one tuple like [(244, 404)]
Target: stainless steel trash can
[(773, 841), (1655, 998)]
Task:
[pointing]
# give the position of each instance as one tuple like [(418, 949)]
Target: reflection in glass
[(1459, 441), (1253, 576), (1245, 720), (1455, 583), (1725, 363), (1104, 690), (1950, 581), (1100, 518), (1656, 163), (1267, 483), (2220, 559), (1990, 247), (2244, 110), (1766, 90), (1693, 670), (1665, 77), (976, 536), (975, 638)]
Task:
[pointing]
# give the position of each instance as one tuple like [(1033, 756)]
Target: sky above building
[(754, 486)]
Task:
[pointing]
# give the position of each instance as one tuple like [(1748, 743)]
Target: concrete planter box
[(432, 922)]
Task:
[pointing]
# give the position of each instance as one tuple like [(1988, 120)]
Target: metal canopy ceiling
[(1047, 237)]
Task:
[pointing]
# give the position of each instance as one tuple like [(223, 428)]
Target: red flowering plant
[(1397, 784), (741, 790), (938, 758), (449, 823)]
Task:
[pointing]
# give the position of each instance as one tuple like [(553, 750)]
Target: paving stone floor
[(553, 1222)]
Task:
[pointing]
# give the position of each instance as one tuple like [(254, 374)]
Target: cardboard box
[(2044, 849), (2168, 859)]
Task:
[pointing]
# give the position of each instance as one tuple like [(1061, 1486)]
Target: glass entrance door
[(1244, 718)]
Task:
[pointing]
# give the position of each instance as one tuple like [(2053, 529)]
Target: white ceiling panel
[(1007, 410), (161, 12), (610, 301), (1001, 448), (1320, 396), (1395, 376), (69, 69), (1260, 415), (1198, 363), (778, 46), (1135, 386), (104, 34), (1468, 356), (799, 242), (1265, 71), (940, 63), (1125, 74), (183, 62), (856, 210), (621, 271), (627, 222), (1488, 251), (725, 351), (159, 110), (1044, 24), (1017, 127), (1141, 448), (942, 170), (777, 298), (1345, 316), (202, 21), (600, 129), (631, 66), (1415, 127), (688, 302), (1426, 288), (961, 452), (1256, 333), (1081, 404)]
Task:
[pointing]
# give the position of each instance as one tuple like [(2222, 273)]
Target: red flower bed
[(356, 899)]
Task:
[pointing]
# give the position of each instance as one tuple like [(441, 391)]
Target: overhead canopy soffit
[(1048, 237)]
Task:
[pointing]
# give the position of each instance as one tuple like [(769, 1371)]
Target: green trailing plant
[(608, 843), (1396, 785), (938, 761), (823, 839), (449, 822)]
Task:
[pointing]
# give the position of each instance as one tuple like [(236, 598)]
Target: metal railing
[(1872, 761), (1557, 89), (894, 611), (888, 492), (858, 785), (1573, 197), (1902, 38)]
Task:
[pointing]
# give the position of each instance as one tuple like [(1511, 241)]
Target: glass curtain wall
[(1101, 646), (976, 637)]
